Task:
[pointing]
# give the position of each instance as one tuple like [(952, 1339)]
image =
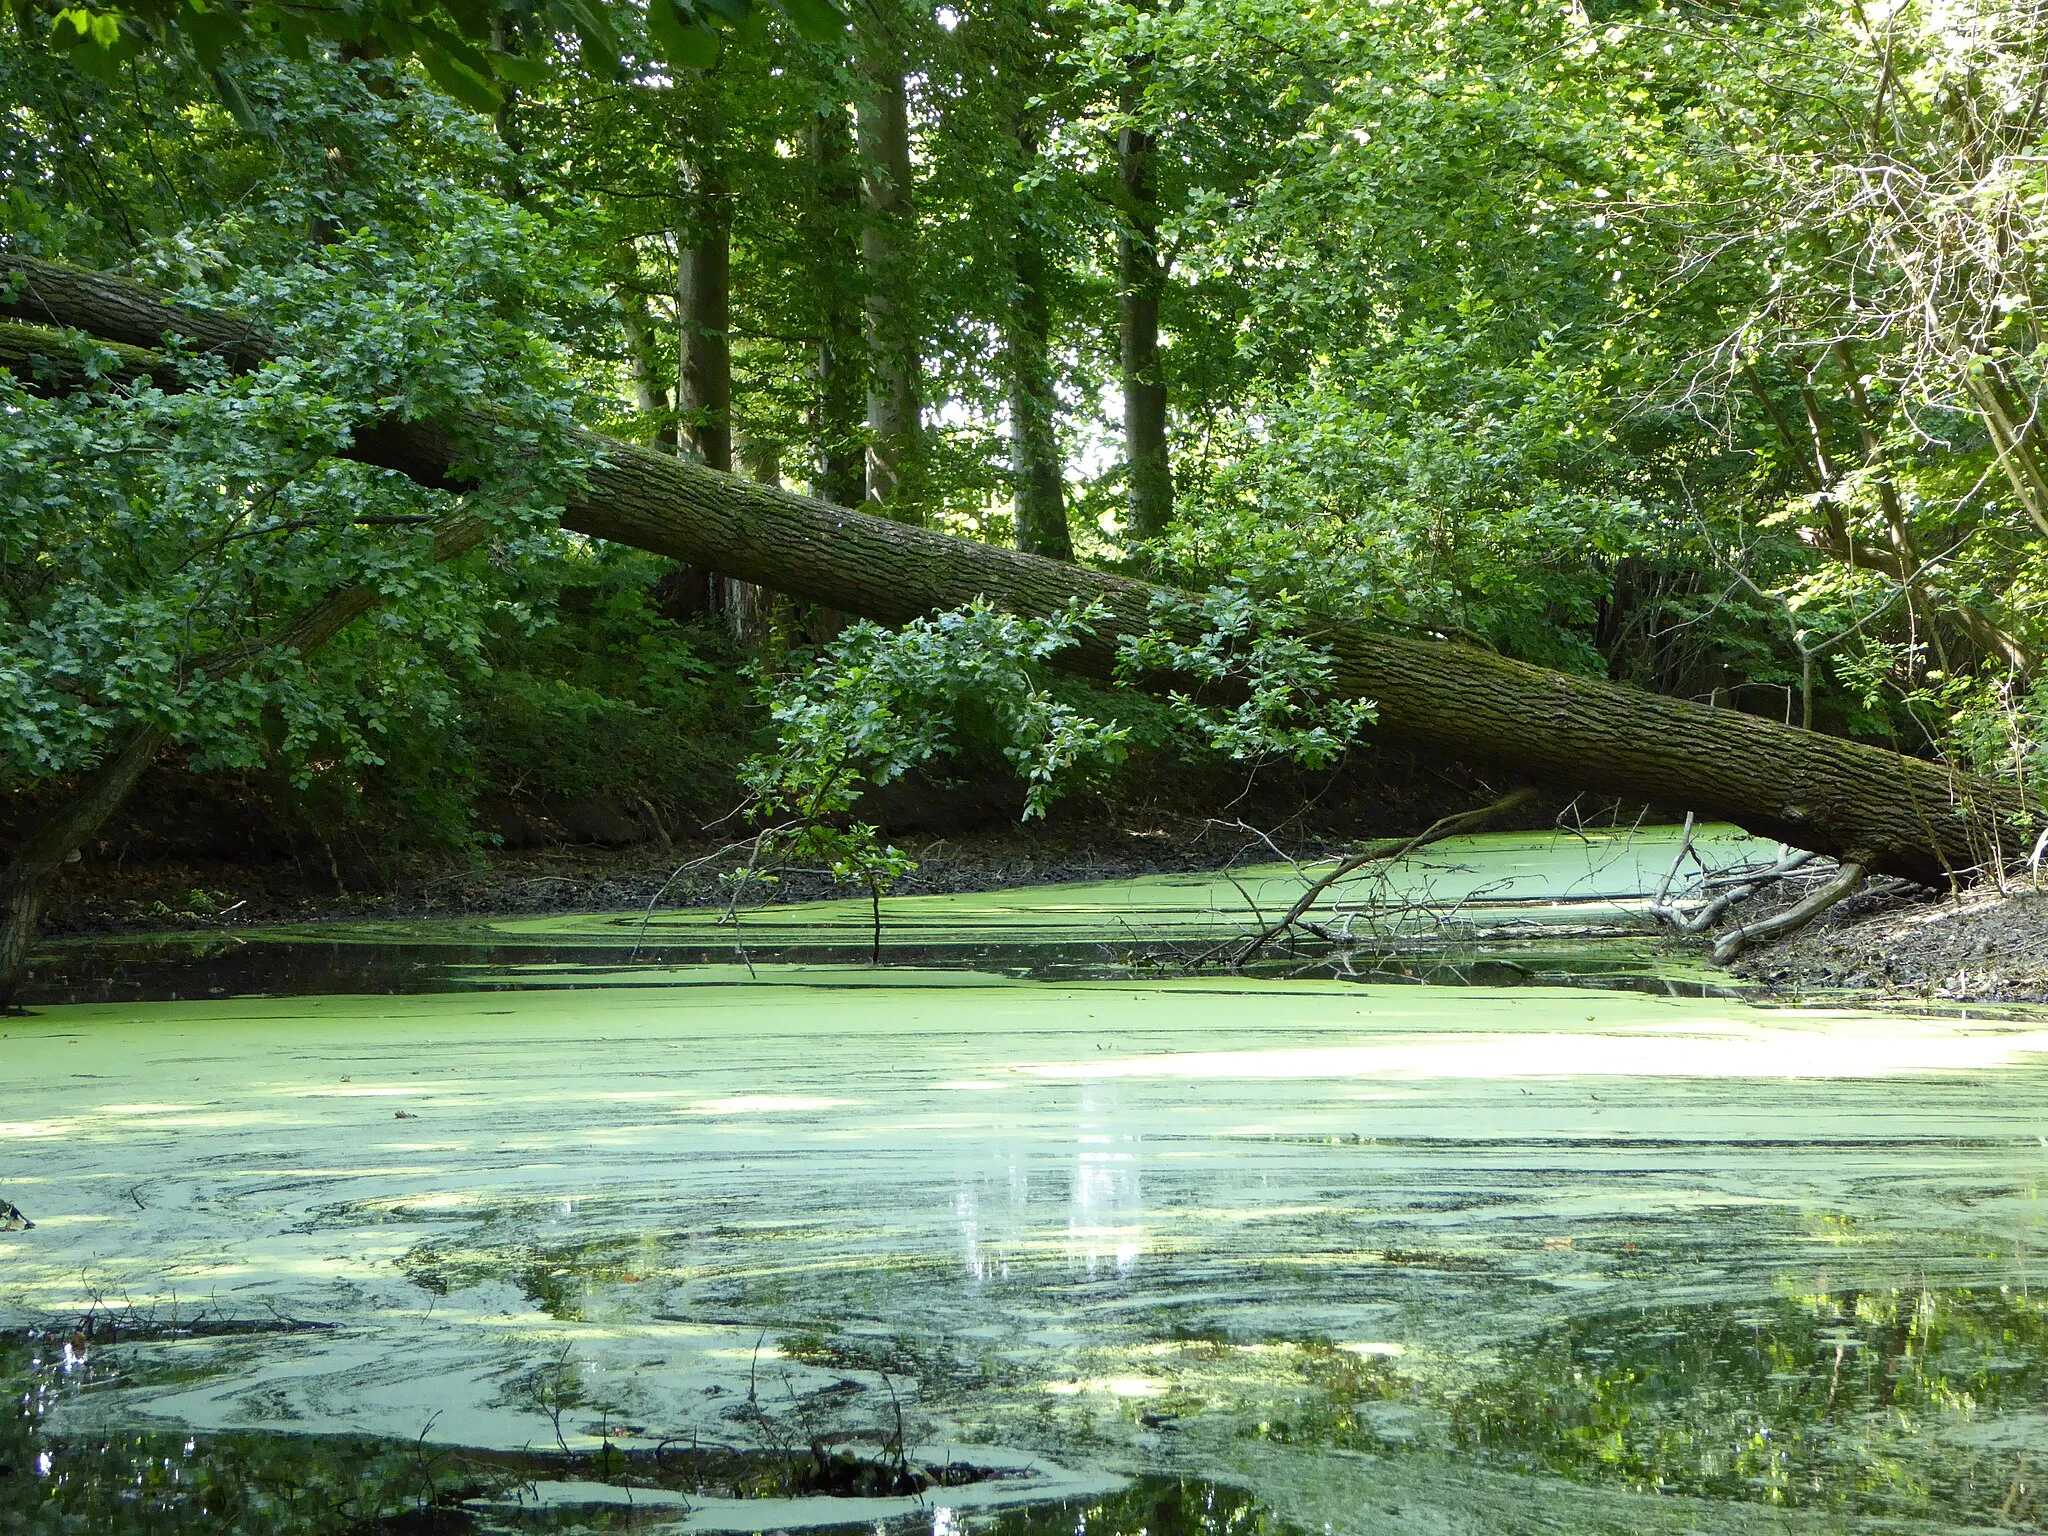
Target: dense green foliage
[(1699, 349)]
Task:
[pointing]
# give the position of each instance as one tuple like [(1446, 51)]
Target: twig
[(1391, 851), (1738, 888)]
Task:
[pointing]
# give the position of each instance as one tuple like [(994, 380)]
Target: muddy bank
[(1979, 946)]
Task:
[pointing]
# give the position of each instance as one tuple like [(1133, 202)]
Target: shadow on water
[(214, 966), (1491, 910)]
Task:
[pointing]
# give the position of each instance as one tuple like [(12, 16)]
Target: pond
[(594, 1223)]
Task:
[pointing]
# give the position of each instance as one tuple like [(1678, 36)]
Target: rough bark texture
[(704, 379), (895, 435), (1141, 277), (1890, 813), (831, 223), (1035, 459)]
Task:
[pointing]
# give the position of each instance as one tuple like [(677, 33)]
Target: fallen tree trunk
[(1858, 803)]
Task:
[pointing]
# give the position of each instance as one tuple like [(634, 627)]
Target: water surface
[(1148, 1252)]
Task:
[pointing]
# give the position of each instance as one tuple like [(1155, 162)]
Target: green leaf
[(211, 32), (684, 41), (816, 21), (460, 81), (438, 37), (95, 61), (520, 70), (472, 18), (600, 42), (294, 40), (229, 89)]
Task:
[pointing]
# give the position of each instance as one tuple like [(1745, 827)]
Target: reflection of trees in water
[(255, 1483), (1844, 1402), (1153, 1506), (1850, 1403)]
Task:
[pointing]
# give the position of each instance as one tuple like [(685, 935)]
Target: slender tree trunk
[(2016, 437), (1141, 277), (26, 880), (895, 447), (749, 609), (1035, 461), (505, 39), (1899, 557), (704, 354), (841, 402), (704, 315), (643, 360), (1890, 813)]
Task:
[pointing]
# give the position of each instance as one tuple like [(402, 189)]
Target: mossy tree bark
[(1888, 812)]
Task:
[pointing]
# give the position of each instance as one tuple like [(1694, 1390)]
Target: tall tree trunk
[(643, 362), (704, 314), (841, 402), (749, 609), (26, 879), (1035, 461), (1887, 812), (511, 185), (1141, 278), (895, 449), (704, 361)]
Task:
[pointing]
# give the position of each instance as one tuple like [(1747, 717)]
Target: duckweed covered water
[(1210, 1254), (1503, 909)]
